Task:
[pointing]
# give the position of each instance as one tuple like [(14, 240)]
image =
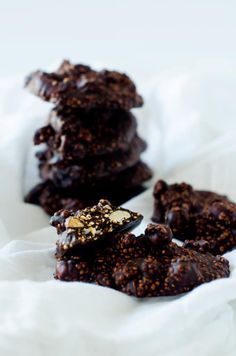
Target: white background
[(150, 35)]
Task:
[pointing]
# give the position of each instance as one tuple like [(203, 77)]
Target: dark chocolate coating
[(201, 215), (67, 173), (91, 147), (52, 199), (78, 134), (84, 229), (80, 86), (125, 185), (137, 266)]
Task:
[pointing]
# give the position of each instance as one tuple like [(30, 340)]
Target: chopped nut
[(119, 215), (73, 222), (92, 230), (92, 224)]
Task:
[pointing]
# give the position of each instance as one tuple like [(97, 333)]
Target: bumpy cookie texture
[(79, 134), (82, 87), (67, 173), (202, 215), (90, 226), (127, 185), (89, 147), (148, 265)]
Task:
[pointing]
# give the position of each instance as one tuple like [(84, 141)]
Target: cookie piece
[(82, 87), (98, 133), (66, 173), (148, 265), (203, 215), (87, 228)]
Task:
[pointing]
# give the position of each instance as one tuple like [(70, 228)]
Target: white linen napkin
[(189, 122)]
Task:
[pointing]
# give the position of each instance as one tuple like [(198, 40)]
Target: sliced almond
[(73, 223), (119, 215)]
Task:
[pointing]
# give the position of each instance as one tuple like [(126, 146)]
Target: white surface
[(189, 122), (132, 35)]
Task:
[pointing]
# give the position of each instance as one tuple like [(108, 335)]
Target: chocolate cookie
[(65, 120), (129, 178), (126, 186), (52, 199), (98, 133), (91, 227), (148, 265), (82, 87), (66, 173), (203, 215)]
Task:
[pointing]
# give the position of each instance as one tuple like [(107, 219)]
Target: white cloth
[(189, 122)]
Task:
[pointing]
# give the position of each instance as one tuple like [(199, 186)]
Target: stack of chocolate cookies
[(91, 148)]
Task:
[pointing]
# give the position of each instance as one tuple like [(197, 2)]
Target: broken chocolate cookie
[(91, 225), (201, 215)]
